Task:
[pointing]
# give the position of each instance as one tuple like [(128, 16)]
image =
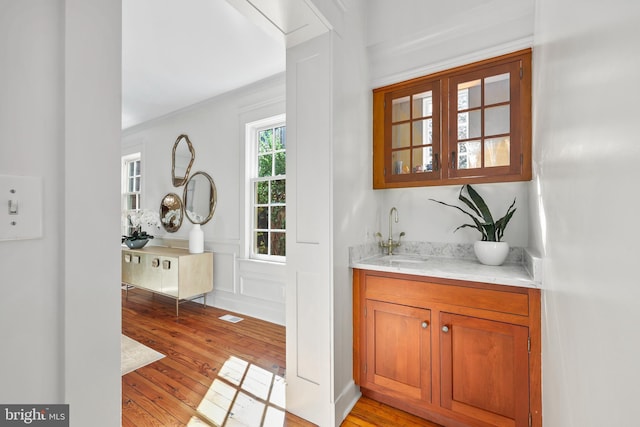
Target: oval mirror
[(200, 198), (171, 212), (181, 160)]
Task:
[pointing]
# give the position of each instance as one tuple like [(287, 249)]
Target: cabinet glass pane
[(469, 155), (469, 95), (400, 136), (401, 109), (422, 104), (400, 162), (422, 159), (497, 152), (422, 132), (496, 89), (469, 125), (496, 120)]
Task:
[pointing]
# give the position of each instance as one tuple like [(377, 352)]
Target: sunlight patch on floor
[(243, 395)]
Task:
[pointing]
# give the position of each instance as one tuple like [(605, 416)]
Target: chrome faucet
[(390, 244)]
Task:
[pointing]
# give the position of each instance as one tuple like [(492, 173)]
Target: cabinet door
[(485, 369), (170, 275), (398, 349)]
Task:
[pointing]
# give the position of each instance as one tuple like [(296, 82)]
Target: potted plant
[(490, 250), (135, 219)]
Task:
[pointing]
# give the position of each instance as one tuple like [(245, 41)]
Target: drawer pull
[(425, 324), (127, 257), (155, 262), (166, 264), (445, 329)]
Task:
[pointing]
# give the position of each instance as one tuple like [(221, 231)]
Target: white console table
[(173, 272)]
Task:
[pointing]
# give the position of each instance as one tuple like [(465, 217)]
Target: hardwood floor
[(216, 373)]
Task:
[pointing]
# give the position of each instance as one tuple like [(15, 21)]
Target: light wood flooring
[(216, 373)]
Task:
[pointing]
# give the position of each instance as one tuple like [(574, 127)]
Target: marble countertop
[(520, 270)]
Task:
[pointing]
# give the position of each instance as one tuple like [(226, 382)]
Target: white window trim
[(124, 177), (251, 158)]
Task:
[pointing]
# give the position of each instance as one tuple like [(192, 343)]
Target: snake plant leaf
[(483, 221), (479, 202), (468, 202)]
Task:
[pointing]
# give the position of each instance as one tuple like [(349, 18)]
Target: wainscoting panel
[(268, 290), (224, 272)]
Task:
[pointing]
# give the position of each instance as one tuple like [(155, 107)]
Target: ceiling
[(178, 53)]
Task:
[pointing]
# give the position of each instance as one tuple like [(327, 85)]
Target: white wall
[(216, 128), (31, 315), (412, 38), (354, 201), (584, 209), (60, 320)]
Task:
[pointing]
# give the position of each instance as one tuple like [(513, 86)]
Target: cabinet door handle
[(453, 160), (424, 324), (445, 329)]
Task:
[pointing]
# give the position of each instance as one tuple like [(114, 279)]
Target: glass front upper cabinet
[(471, 124)]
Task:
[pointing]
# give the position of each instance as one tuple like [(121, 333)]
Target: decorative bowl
[(135, 244)]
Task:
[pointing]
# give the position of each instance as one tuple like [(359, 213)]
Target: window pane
[(281, 163), (400, 135), (265, 141), (278, 191), (400, 109), (265, 163), (278, 243), (422, 105), (132, 168), (422, 159), (469, 155), (136, 184), (261, 243), (496, 120), (278, 218), (400, 162), (136, 169), (262, 218), (469, 125), (496, 89), (422, 132), (280, 139), (469, 95), (497, 152), (262, 192)]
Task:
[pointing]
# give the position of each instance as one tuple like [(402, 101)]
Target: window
[(470, 124), (131, 185), (267, 181)]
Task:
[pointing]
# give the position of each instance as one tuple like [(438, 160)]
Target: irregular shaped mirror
[(200, 198), (171, 212), (182, 160)]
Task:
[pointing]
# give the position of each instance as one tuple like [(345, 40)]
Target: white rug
[(134, 355)]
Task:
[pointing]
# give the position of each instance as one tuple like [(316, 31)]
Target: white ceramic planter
[(491, 253)]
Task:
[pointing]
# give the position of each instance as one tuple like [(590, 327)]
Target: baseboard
[(346, 401)]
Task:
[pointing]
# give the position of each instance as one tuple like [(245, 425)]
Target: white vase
[(196, 240), (491, 253)]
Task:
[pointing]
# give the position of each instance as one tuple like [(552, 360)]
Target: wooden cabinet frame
[(503, 318), (445, 126)]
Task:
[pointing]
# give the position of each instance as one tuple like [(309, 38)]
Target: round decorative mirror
[(171, 212), (200, 198), (182, 160)]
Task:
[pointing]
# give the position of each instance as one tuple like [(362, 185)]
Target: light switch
[(13, 207), (22, 217)]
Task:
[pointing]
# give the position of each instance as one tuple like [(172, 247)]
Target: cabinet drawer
[(421, 293)]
